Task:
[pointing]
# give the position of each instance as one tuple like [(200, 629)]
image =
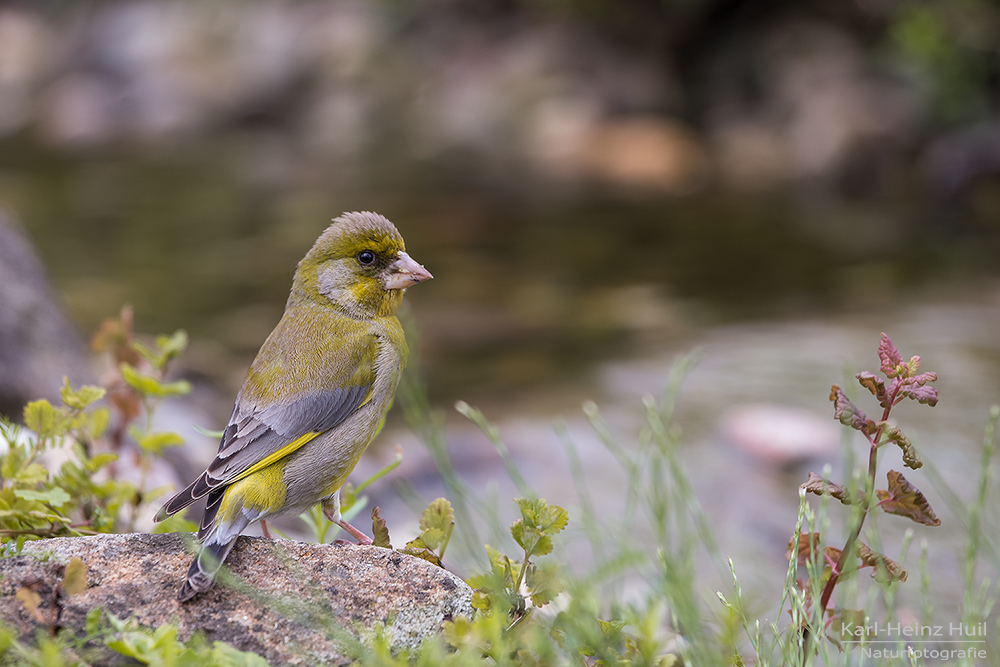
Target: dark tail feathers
[(204, 567)]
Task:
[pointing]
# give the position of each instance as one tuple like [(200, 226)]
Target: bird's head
[(360, 265)]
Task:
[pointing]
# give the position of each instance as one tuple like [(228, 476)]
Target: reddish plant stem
[(831, 583)]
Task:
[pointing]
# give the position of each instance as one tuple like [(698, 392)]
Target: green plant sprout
[(436, 526), (137, 388), (36, 502), (83, 495)]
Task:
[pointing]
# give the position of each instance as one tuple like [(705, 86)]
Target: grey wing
[(254, 434)]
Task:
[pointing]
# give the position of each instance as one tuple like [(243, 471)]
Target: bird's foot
[(354, 532), (264, 530)]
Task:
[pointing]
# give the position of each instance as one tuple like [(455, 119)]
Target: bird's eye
[(366, 257)]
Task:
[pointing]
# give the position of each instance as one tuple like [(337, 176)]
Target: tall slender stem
[(856, 532)]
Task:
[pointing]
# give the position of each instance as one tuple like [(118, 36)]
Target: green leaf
[(56, 497), (425, 554), (7, 639), (143, 384), (75, 578), (150, 386), (98, 461), (433, 538), (172, 346), (33, 474), (155, 442), (30, 599), (41, 417), (148, 354), (416, 543), (121, 647), (93, 623), (544, 583), (438, 516), (167, 348), (517, 532), (480, 600), (541, 516), (437, 523), (348, 497), (80, 398), (531, 539), (224, 655), (501, 574), (97, 422), (458, 630)]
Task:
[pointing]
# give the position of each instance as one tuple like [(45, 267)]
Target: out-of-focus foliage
[(953, 49), (60, 471)]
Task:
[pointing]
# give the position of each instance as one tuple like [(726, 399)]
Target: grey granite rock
[(290, 602)]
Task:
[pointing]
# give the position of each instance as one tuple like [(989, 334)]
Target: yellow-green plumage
[(316, 394)]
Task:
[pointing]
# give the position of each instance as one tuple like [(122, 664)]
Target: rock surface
[(287, 602)]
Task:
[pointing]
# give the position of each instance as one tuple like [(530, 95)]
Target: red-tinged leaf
[(892, 433), (875, 385), (904, 499), (380, 532), (924, 394), (819, 486), (889, 356), (807, 544), (885, 570), (831, 558), (848, 413), (831, 555)]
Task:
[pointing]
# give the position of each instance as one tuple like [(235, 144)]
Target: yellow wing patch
[(265, 492), (276, 456), (371, 393)]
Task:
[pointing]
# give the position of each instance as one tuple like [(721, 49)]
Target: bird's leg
[(263, 529), (331, 508)]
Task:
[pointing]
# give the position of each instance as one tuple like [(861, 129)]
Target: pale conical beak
[(404, 272)]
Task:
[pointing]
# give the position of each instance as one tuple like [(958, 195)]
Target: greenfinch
[(314, 397)]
